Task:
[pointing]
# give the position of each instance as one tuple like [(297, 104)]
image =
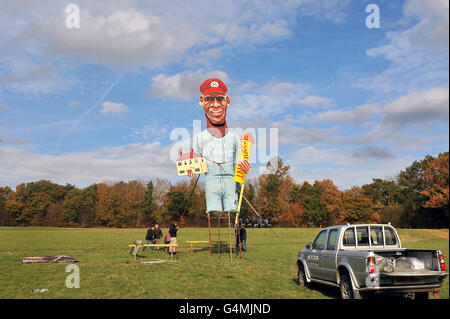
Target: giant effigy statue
[(218, 147)]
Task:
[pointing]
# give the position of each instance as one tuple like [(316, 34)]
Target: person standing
[(242, 237), (157, 234), (149, 238), (173, 237)]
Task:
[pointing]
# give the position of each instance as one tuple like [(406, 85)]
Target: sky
[(318, 83)]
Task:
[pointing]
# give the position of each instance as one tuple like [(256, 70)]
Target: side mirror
[(308, 246)]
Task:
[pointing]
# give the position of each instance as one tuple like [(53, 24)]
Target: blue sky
[(99, 103)]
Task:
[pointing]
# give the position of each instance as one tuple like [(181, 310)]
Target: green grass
[(267, 270)]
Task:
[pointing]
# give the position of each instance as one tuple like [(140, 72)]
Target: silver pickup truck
[(364, 258)]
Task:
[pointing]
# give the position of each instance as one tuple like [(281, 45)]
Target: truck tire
[(302, 282), (346, 287)]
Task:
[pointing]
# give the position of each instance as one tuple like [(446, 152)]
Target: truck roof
[(351, 225)]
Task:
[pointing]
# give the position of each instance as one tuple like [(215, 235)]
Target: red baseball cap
[(213, 85)]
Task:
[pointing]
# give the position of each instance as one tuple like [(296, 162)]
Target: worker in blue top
[(220, 147)]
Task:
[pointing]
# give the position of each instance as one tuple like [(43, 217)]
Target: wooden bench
[(136, 246)]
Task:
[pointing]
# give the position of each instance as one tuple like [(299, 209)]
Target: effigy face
[(215, 106)]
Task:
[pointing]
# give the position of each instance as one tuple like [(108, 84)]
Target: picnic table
[(136, 246)]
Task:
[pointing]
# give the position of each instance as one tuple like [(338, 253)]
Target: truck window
[(332, 238), (349, 237), (363, 236), (376, 236), (319, 242), (390, 236)]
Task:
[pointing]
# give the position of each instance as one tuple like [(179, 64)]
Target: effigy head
[(214, 100)]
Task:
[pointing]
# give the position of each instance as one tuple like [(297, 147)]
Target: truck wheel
[(302, 282), (346, 287)]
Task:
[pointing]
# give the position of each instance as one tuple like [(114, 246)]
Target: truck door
[(328, 259), (314, 256)]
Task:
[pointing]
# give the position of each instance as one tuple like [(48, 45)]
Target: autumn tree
[(332, 197), (4, 216), (293, 215), (314, 209), (270, 183), (148, 206), (40, 201), (413, 183), (176, 204), (79, 206), (250, 194), (437, 182), (358, 207)]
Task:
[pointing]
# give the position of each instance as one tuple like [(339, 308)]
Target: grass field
[(267, 270)]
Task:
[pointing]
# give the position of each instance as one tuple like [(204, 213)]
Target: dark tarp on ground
[(49, 259)]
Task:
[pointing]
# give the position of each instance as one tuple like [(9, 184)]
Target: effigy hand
[(246, 166)]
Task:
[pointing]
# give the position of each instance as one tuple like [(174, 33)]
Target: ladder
[(216, 232)]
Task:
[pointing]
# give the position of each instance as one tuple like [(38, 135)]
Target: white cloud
[(182, 86), (357, 116), (114, 108), (373, 152), (21, 72), (125, 33), (125, 37), (134, 161), (418, 108), (316, 101), (418, 55), (14, 141), (333, 156), (247, 86), (277, 88), (153, 131), (273, 98), (334, 10), (433, 27), (346, 170)]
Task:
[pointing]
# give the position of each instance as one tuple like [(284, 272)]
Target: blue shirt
[(217, 151)]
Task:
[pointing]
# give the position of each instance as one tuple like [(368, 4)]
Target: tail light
[(371, 264), (442, 261)]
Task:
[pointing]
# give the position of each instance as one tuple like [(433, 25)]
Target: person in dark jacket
[(173, 237), (157, 234), (242, 237), (149, 238)]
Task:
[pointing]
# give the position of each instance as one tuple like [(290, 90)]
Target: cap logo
[(214, 84)]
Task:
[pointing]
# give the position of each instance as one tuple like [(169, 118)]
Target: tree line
[(416, 198)]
